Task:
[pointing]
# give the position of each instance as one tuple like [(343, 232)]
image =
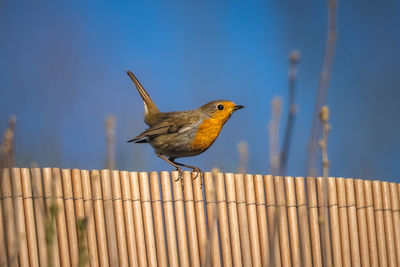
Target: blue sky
[(62, 71)]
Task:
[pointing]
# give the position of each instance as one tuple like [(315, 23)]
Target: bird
[(182, 134)]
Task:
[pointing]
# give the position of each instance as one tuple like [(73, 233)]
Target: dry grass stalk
[(323, 143), (293, 61), (110, 142), (273, 129), (7, 146), (322, 87), (243, 149)]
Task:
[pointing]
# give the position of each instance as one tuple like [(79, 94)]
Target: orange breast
[(206, 134)]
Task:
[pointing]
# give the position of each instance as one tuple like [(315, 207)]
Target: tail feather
[(149, 105)]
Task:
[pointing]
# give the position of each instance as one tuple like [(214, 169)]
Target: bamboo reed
[(191, 219), (158, 219), (223, 220), (362, 222), (200, 219), (119, 218), (233, 220), (80, 220), (292, 221), (272, 214), (352, 217), (147, 219), (379, 224), (387, 216), (314, 222), (38, 201), (243, 223), (9, 213), (138, 218), (282, 221), (68, 197), (129, 222), (213, 253), (305, 242), (369, 210), (20, 218), (170, 231), (3, 249), (54, 257), (89, 215), (394, 196), (109, 217), (61, 220), (334, 221), (99, 219), (343, 222), (180, 220), (29, 217), (261, 218), (322, 194)]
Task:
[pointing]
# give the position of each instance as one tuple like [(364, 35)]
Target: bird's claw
[(198, 172), (180, 174)]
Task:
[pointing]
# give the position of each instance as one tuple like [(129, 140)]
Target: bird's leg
[(171, 161), (194, 168)]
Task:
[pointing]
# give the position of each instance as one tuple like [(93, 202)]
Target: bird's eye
[(220, 107)]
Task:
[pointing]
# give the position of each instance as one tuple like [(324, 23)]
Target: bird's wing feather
[(168, 126)]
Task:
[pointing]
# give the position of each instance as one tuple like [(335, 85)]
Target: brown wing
[(169, 126)]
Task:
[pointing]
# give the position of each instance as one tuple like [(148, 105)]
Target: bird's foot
[(198, 173), (180, 175)]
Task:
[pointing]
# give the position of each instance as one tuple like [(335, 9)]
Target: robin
[(183, 133)]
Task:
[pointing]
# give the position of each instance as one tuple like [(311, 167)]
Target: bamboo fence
[(53, 217)]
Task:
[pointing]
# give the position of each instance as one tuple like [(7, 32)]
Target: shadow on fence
[(53, 217)]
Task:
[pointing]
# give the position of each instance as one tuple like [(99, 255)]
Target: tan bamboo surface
[(314, 222), (89, 215), (334, 222), (242, 218), (362, 222), (304, 226), (141, 219), (274, 249), (233, 219), (261, 219), (293, 222), (379, 224), (29, 217), (158, 220), (370, 213), (191, 219)]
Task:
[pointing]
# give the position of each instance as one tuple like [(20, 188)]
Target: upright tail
[(149, 106)]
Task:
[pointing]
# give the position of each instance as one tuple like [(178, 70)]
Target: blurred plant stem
[(7, 157), (110, 142), (243, 150), (273, 129), (322, 88), (293, 61), (323, 142)]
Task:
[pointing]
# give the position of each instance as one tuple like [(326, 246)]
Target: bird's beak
[(236, 107)]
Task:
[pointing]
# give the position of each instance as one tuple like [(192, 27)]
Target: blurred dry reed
[(273, 130), (323, 142), (7, 159), (293, 61), (110, 142), (322, 88), (243, 149)]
